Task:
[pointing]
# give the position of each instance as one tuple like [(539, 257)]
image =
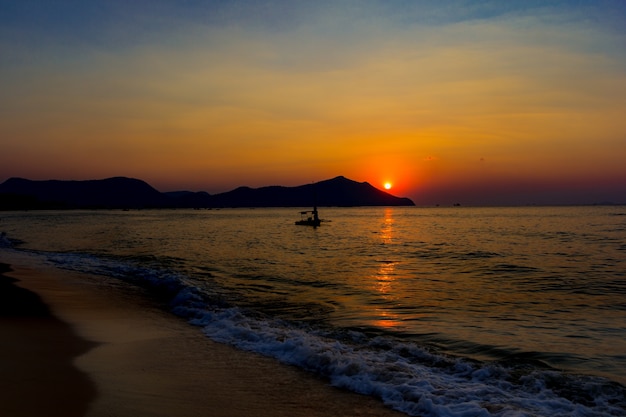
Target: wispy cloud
[(239, 84)]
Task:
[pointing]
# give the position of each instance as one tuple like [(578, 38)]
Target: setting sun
[(387, 186)]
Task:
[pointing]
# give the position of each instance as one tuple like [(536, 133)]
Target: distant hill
[(121, 192), (118, 192), (339, 191)]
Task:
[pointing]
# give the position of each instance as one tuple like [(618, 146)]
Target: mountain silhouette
[(121, 192), (339, 191), (118, 192)]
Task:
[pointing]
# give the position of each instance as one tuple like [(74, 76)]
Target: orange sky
[(506, 102)]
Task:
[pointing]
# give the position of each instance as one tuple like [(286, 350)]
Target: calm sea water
[(437, 311)]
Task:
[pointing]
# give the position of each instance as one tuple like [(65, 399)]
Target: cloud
[(236, 85)]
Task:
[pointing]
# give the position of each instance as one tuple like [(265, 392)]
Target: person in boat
[(312, 220)]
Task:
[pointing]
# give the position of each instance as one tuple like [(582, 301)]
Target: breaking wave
[(416, 379)]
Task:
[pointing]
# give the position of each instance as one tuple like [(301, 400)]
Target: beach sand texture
[(37, 351), (72, 346)]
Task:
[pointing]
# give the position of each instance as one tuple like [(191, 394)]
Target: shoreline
[(144, 361), (38, 351)]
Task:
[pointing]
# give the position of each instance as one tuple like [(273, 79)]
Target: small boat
[(309, 218)]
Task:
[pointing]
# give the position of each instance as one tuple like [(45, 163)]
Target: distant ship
[(309, 218)]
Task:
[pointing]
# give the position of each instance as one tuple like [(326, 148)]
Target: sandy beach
[(73, 346), (37, 351)]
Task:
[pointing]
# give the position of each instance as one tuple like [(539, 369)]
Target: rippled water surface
[(538, 285)]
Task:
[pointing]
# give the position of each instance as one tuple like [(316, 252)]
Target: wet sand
[(37, 352), (109, 351)]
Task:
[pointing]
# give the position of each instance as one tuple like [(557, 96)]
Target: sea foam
[(417, 380), (406, 376)]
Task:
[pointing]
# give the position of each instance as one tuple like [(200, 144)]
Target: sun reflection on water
[(385, 278), (386, 232)]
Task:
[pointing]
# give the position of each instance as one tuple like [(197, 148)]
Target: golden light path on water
[(485, 282)]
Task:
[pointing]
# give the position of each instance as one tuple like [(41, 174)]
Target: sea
[(441, 311)]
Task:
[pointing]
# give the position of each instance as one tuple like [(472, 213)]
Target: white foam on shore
[(406, 376)]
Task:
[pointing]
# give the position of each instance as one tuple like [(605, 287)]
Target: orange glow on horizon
[(467, 110)]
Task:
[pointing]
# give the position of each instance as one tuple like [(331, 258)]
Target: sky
[(472, 102)]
